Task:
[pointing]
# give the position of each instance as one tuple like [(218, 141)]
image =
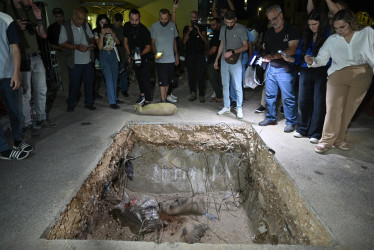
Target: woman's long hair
[(323, 27), (349, 17), (99, 18)]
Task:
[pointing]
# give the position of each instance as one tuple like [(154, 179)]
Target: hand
[(216, 65), (176, 60), (308, 59), (197, 28), (15, 82), (36, 10), (82, 48), (190, 28), (228, 54), (267, 58), (289, 59), (21, 24), (91, 47)]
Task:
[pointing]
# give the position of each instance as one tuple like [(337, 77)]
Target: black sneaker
[(30, 131), (260, 109), (114, 106), (46, 124), (119, 101), (90, 107), (281, 110), (13, 155), (145, 103), (125, 94), (21, 146), (140, 100)]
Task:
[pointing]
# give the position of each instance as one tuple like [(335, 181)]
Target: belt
[(34, 54)]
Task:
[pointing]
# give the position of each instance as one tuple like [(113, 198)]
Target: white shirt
[(359, 51)]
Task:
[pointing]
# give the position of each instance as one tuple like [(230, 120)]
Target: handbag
[(233, 59)]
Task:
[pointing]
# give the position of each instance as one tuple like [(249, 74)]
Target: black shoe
[(125, 94), (90, 107), (119, 101), (114, 106), (267, 122), (260, 109), (281, 110), (98, 96), (145, 103), (70, 109), (140, 100), (29, 131), (46, 124), (233, 104), (13, 154)]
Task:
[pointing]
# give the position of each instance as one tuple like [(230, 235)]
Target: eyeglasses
[(274, 18)]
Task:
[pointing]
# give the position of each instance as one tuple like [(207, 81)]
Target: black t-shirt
[(53, 33), (279, 41), (194, 45), (137, 36), (214, 42)]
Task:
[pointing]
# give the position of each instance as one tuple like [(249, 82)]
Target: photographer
[(195, 40), (31, 24), (138, 45)]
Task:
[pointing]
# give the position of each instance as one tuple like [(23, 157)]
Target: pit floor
[(338, 186)]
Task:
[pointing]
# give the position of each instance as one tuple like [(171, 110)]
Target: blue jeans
[(235, 72), (278, 77), (123, 80), (312, 101), (10, 98), (232, 86), (81, 72), (109, 67)]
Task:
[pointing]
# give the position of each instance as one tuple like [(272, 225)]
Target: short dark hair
[(230, 15), (57, 11), (218, 20), (118, 17), (164, 11), (134, 12)]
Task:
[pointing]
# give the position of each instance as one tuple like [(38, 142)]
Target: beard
[(230, 27), (164, 24)]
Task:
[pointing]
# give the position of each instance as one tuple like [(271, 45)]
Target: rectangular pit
[(228, 166)]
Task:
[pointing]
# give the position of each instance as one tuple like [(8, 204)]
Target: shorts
[(165, 73)]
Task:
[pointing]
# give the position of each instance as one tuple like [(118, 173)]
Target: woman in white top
[(349, 77)]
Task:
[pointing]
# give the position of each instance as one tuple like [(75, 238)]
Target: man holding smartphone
[(280, 42), (164, 45)]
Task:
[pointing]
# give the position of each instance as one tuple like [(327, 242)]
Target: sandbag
[(156, 109)]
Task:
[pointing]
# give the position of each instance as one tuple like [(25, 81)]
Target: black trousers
[(196, 66), (143, 76)]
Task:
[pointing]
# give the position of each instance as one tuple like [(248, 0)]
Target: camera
[(137, 57), (176, 1), (105, 26), (193, 23)]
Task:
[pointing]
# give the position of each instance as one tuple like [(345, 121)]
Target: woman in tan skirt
[(349, 77)]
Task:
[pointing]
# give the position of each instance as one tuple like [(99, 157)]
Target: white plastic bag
[(249, 79)]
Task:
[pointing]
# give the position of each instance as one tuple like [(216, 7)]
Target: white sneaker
[(171, 99), (173, 96), (313, 140), (239, 113), (297, 135), (223, 111)]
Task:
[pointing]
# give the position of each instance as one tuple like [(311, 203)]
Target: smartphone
[(176, 1), (283, 53), (159, 54), (105, 26)]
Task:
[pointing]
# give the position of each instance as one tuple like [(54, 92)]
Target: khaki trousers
[(346, 88)]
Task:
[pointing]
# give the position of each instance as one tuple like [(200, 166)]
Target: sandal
[(344, 146), (320, 148)]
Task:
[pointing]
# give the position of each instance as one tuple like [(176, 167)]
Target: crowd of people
[(334, 58)]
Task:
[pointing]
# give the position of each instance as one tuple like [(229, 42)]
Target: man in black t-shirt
[(214, 75), (284, 38), (138, 45), (195, 39)]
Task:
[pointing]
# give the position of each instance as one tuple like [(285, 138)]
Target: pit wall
[(284, 216), (270, 198)]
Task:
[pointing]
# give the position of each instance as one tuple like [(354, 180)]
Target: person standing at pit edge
[(234, 40), (163, 35), (138, 43), (10, 81)]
